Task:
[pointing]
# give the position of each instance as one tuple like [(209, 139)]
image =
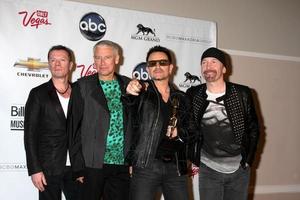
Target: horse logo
[(191, 78), (145, 30)]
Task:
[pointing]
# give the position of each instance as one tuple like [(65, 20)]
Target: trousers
[(219, 186), (146, 182)]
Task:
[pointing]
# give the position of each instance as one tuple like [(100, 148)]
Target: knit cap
[(215, 53)]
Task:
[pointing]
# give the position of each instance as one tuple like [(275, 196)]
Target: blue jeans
[(214, 185), (146, 182)]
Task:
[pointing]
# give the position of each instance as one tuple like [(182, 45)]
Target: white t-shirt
[(65, 103)]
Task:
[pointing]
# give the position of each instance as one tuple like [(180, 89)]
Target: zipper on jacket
[(177, 164), (155, 124)]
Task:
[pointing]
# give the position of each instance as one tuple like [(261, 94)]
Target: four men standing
[(114, 122)]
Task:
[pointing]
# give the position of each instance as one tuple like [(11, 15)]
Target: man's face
[(158, 66), (105, 59), (60, 64), (212, 69)]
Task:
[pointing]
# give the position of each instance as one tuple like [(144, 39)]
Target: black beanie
[(215, 53)]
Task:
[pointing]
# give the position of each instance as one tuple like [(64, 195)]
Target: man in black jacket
[(99, 128), (162, 127), (45, 132), (229, 131)]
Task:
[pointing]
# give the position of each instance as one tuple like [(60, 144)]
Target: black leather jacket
[(241, 113), (147, 115)]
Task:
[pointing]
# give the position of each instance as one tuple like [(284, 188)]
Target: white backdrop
[(29, 28)]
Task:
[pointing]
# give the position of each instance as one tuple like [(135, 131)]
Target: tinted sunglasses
[(153, 63)]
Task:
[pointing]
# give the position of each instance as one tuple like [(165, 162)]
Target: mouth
[(158, 71), (209, 71)]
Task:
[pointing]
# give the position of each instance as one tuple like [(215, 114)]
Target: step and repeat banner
[(29, 28)]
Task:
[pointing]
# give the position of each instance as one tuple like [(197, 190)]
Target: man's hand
[(130, 171), (39, 180), (134, 87), (171, 132), (80, 179)]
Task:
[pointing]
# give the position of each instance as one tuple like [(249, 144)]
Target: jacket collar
[(228, 91), (55, 100), (97, 91)]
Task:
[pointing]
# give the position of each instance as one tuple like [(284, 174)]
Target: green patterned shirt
[(115, 137)]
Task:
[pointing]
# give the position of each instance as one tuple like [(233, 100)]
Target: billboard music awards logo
[(17, 113), (36, 19), (145, 33), (92, 26)]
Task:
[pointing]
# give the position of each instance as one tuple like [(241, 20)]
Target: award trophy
[(173, 119), (169, 144)]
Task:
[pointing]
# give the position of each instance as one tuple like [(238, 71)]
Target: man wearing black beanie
[(229, 131)]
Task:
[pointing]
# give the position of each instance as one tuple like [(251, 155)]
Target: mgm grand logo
[(145, 33), (190, 80)]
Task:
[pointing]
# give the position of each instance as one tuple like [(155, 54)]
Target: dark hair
[(159, 49), (61, 47)]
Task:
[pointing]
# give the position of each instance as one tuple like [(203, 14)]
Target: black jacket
[(241, 113), (148, 120), (45, 134), (88, 123)]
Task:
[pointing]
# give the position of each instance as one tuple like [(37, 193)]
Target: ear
[(117, 59), (224, 69), (71, 66), (171, 68)]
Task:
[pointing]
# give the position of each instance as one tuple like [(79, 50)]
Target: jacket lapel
[(97, 92), (55, 101)]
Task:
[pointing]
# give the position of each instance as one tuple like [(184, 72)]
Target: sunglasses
[(153, 63)]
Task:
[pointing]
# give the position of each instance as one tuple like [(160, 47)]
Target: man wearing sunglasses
[(161, 119)]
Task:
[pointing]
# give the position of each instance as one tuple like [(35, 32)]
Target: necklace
[(64, 92)]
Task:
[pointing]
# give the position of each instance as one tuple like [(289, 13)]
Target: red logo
[(36, 19), (87, 70)]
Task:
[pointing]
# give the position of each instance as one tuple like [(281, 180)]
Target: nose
[(102, 61), (208, 65), (157, 64), (57, 62)]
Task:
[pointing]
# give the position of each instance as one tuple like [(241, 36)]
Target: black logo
[(17, 113), (145, 30), (190, 80), (145, 33), (140, 72), (92, 26)]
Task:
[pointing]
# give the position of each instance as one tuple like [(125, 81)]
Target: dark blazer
[(88, 123), (45, 135)]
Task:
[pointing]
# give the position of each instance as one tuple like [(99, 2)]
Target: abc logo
[(92, 26), (140, 72)]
